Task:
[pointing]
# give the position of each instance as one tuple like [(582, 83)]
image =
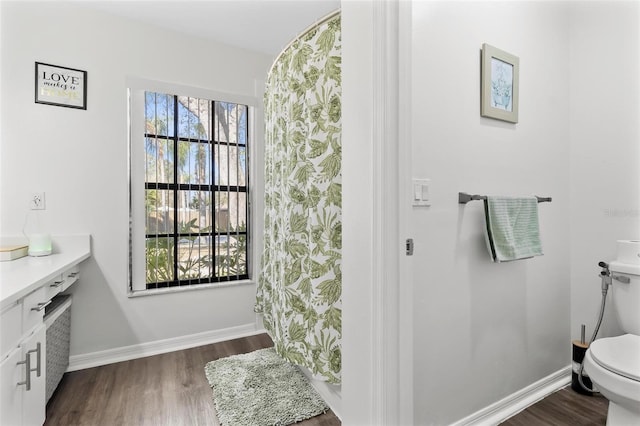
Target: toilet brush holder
[(578, 353)]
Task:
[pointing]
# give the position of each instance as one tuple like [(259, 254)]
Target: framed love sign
[(61, 86)]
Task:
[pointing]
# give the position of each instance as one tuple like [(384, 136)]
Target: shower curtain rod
[(306, 30), (464, 198)]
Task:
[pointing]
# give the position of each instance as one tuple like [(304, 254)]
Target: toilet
[(613, 363)]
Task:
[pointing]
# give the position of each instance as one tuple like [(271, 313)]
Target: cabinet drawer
[(62, 282), (70, 276), (33, 309), (54, 287), (10, 329)]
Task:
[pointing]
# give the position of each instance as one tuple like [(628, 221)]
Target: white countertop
[(21, 276)]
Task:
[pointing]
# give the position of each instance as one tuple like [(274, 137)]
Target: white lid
[(625, 268), (619, 354), (628, 251)]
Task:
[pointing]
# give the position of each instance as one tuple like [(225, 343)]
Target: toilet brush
[(579, 350)]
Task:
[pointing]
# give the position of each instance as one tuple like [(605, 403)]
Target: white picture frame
[(499, 84)]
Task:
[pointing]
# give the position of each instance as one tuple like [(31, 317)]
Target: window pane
[(222, 213), (221, 164), (230, 123), (231, 255), (194, 118), (242, 124), (159, 112), (230, 165), (238, 211), (191, 144), (159, 211), (240, 253), (159, 255), (231, 211), (221, 203), (194, 211), (242, 165), (236, 165), (194, 162), (158, 160), (222, 122), (194, 258)]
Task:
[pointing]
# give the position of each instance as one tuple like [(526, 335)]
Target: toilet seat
[(620, 355)]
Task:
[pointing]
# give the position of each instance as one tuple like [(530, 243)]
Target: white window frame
[(136, 88)]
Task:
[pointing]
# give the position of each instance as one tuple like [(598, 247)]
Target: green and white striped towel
[(512, 230)]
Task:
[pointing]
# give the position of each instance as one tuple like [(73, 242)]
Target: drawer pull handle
[(41, 306), (57, 283), (38, 368), (73, 274), (27, 381)]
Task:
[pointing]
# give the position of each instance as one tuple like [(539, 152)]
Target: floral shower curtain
[(299, 289)]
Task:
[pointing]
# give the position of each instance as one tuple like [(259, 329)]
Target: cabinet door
[(11, 373), (10, 329), (34, 400)]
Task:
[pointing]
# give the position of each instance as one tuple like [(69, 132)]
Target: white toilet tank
[(626, 296)]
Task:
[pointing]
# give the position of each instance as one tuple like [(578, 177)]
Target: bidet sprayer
[(605, 274)]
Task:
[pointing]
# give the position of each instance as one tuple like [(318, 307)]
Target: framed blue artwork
[(499, 84)]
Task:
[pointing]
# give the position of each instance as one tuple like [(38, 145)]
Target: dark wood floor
[(563, 408), (169, 389)]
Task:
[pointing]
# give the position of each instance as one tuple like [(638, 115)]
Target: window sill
[(199, 287)]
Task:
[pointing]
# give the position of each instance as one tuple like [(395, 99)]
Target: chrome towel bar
[(464, 198)]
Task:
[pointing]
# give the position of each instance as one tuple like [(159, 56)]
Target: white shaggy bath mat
[(261, 389)]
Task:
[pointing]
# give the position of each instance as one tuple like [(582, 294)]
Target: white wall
[(358, 377), (605, 148), (483, 331), (375, 362), (79, 158)]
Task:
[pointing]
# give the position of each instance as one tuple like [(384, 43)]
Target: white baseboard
[(125, 353), (332, 394), (513, 404)]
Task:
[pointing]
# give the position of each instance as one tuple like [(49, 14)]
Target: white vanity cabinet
[(10, 395), (26, 287), (22, 370), (23, 382)]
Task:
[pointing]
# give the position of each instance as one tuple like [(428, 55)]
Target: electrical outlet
[(37, 201)]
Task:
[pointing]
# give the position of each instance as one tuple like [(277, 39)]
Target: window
[(194, 202)]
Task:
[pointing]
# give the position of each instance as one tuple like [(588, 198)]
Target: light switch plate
[(420, 192)]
